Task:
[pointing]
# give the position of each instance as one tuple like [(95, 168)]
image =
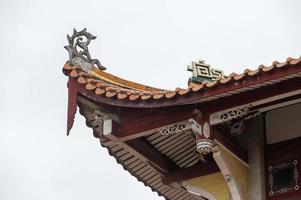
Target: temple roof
[(158, 145), (102, 85)]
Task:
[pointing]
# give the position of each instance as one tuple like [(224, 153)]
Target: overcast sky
[(150, 42)]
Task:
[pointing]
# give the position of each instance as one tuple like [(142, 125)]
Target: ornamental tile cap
[(202, 71), (79, 52)]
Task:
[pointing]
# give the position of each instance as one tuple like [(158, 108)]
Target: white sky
[(150, 42)]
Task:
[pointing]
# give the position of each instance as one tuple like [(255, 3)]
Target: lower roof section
[(146, 173)]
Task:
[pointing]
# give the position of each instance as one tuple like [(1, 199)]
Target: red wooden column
[(203, 132)]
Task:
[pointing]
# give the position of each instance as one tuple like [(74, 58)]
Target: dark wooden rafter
[(160, 162), (146, 120), (197, 170)]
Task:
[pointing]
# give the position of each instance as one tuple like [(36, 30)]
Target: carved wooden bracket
[(102, 123), (203, 136), (175, 128), (229, 114), (225, 162)]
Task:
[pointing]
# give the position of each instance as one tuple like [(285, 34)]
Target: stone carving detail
[(101, 121), (237, 128), (227, 115), (202, 71), (227, 178), (78, 50), (252, 115), (195, 127), (173, 129), (273, 172), (204, 146), (206, 130)]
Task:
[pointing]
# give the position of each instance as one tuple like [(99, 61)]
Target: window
[(283, 178)]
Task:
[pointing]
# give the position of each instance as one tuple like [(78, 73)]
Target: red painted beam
[(149, 119), (252, 96), (72, 105), (280, 101)]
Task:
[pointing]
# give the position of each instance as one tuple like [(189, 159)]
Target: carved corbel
[(101, 123), (203, 136)]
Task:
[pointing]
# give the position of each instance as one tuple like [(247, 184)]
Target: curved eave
[(111, 90)]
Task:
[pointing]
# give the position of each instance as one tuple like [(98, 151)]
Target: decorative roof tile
[(110, 86)]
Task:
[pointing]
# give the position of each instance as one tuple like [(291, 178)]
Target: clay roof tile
[(295, 61), (145, 97), (70, 67), (104, 83), (211, 84), (122, 95), (280, 65), (225, 80), (134, 97), (99, 91), (232, 75), (110, 94), (246, 71), (178, 89), (170, 94), (253, 72), (183, 91), (90, 86), (239, 76), (158, 95), (289, 59), (267, 68), (197, 87), (73, 73), (260, 67), (81, 80)]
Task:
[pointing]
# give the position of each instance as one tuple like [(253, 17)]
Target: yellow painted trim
[(213, 184), (121, 82), (234, 171), (239, 172)]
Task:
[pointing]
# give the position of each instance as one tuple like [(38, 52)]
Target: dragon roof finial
[(78, 50)]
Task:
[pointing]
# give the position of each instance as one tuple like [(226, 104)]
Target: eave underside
[(152, 159), (147, 174)]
